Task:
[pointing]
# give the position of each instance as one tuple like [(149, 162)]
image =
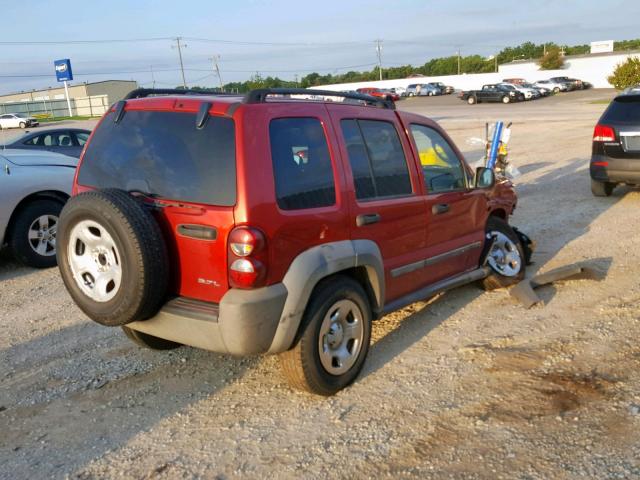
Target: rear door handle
[(367, 219), (440, 208)]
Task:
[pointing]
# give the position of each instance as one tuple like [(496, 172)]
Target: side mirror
[(485, 177)]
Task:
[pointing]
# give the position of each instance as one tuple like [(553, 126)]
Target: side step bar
[(439, 287)]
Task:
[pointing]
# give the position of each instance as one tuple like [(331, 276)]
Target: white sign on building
[(603, 46)]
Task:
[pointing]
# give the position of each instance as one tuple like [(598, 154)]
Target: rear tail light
[(247, 258), (603, 133)]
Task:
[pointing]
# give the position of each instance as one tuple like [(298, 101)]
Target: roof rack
[(147, 92), (260, 96)]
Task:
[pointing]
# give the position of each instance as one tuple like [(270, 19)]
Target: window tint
[(377, 160), (82, 138), (441, 167), (163, 153), (32, 140), (623, 109), (302, 167)]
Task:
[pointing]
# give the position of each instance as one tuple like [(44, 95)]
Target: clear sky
[(281, 37)]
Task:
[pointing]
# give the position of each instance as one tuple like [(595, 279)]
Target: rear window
[(164, 154), (624, 110)]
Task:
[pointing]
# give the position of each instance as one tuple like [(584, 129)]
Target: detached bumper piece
[(524, 291)]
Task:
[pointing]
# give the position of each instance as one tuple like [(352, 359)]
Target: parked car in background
[(444, 89), (514, 81), (67, 141), (545, 92), (526, 92), (301, 254), (400, 91), (491, 93), (379, 93), (555, 87), (17, 120), (615, 156), (34, 186), (422, 90), (570, 83)]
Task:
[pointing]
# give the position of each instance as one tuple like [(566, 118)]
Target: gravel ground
[(466, 385)]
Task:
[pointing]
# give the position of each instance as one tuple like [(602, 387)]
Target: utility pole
[(180, 46), (458, 53), (496, 58), (215, 60), (296, 77), (153, 78), (379, 52)]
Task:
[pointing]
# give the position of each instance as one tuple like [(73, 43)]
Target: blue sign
[(63, 69)]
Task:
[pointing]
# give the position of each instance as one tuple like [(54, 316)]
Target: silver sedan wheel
[(94, 260), (341, 335), (504, 256), (42, 235)]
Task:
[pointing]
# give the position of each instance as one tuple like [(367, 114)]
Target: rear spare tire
[(112, 257)]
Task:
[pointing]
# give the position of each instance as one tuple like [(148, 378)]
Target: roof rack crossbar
[(147, 92), (260, 96)]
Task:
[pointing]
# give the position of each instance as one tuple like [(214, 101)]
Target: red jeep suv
[(273, 223)]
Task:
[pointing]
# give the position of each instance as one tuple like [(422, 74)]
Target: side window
[(377, 160), (443, 171), (82, 138), (301, 164), (32, 140)]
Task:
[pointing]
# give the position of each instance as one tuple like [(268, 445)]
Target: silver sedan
[(34, 186)]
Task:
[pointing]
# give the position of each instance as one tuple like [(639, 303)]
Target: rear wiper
[(149, 195)]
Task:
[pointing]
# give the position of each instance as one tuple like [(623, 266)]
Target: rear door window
[(377, 160), (302, 167), (164, 154)]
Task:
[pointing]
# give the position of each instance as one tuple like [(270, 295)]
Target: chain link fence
[(94, 106)]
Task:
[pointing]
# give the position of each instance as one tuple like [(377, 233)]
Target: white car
[(527, 92), (555, 87), (17, 120), (34, 186)]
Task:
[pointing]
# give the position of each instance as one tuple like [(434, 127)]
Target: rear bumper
[(244, 323), (616, 170)]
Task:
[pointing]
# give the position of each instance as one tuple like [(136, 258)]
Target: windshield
[(164, 154), (21, 115)]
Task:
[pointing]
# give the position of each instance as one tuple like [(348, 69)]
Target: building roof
[(70, 85), (582, 55)]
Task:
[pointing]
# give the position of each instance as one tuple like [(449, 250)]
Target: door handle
[(440, 208), (367, 219)]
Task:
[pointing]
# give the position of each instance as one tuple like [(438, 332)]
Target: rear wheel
[(32, 237), (471, 100), (505, 256), (602, 189), (334, 338), (149, 341), (112, 257), (556, 89)]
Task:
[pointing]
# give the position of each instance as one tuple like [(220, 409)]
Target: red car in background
[(380, 93)]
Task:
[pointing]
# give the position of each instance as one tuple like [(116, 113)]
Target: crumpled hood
[(35, 158)]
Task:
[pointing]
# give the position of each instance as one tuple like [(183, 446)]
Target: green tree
[(552, 60), (626, 74)]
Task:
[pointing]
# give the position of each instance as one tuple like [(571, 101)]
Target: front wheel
[(506, 99), (23, 125), (505, 256), (32, 237), (334, 338)]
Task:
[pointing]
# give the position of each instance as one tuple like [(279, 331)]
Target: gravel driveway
[(467, 385)]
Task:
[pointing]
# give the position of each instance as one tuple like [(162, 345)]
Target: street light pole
[(379, 52)]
